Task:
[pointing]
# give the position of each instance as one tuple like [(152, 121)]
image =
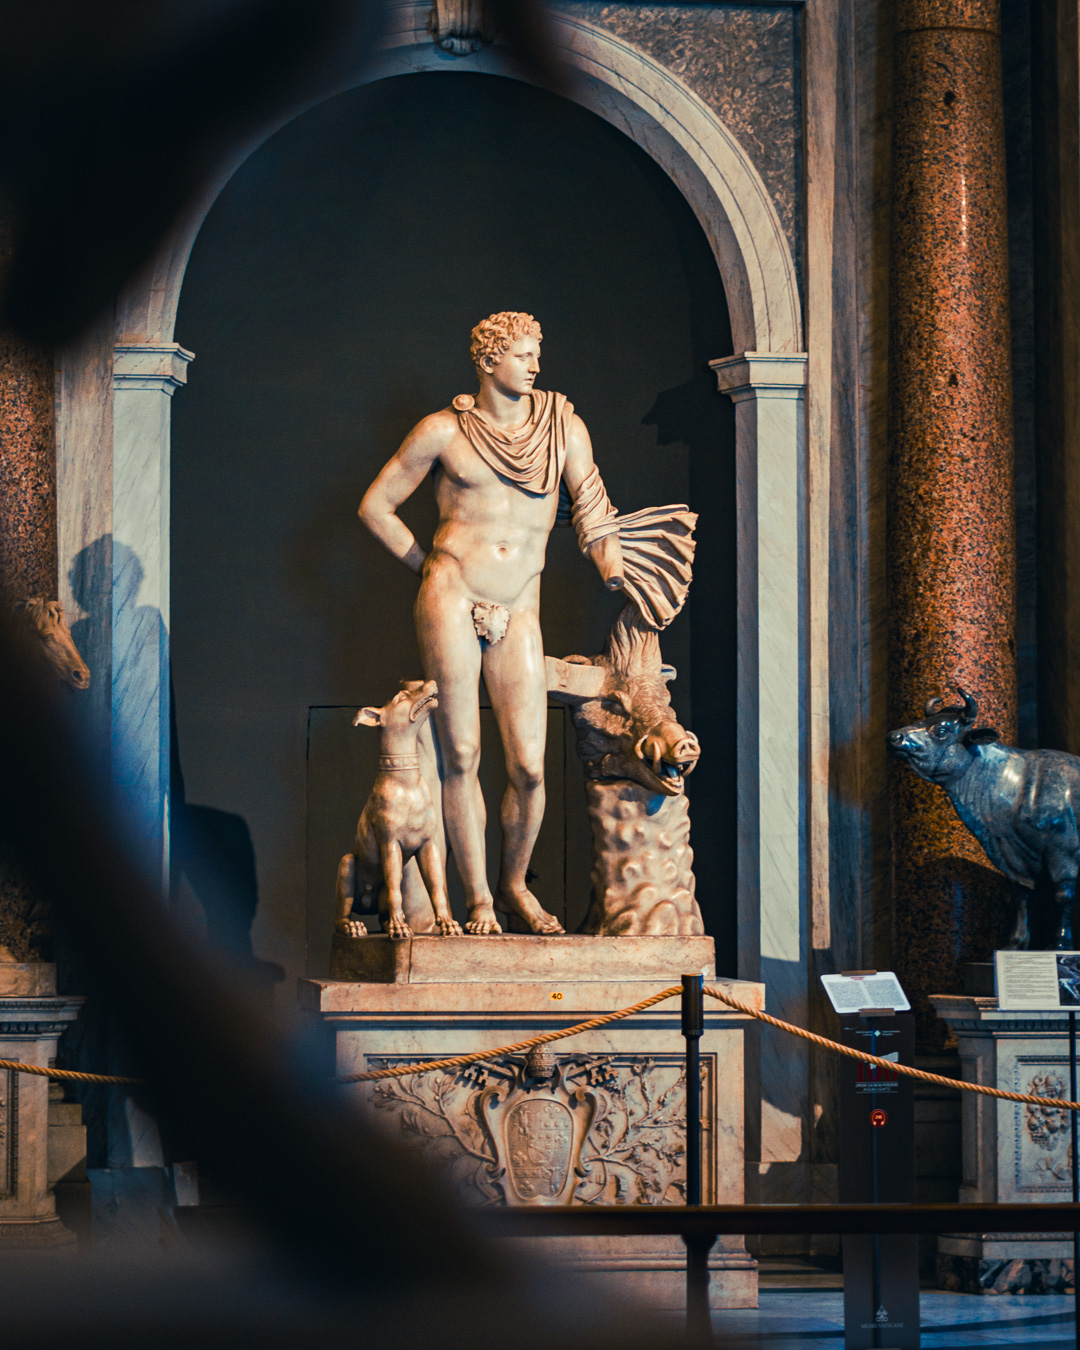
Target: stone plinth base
[(518, 957), (1012, 1152), (32, 1018), (46, 1235), (652, 1272), (595, 1119), (1004, 1264)]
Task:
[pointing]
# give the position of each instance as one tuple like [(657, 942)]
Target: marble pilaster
[(144, 378), (951, 519), (768, 389)]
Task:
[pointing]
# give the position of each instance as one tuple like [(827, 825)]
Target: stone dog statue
[(399, 821), (636, 758), (42, 626), (1021, 805)]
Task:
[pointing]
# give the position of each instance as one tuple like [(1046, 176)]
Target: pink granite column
[(28, 550), (952, 547), (27, 462)]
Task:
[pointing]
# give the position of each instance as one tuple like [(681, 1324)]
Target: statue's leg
[(432, 869), (346, 895), (516, 680), (451, 654), (1064, 895), (1020, 937), (396, 926)]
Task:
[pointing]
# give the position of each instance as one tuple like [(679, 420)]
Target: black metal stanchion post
[(1075, 1178), (698, 1313)]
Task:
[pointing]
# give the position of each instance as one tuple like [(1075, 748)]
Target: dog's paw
[(398, 928), (352, 928), (450, 928)]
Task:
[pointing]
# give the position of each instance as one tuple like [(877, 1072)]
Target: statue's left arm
[(580, 472)]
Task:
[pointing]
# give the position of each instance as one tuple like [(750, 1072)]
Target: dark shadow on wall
[(213, 852), (695, 415)]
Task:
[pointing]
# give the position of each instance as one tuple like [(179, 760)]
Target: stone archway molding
[(628, 89)]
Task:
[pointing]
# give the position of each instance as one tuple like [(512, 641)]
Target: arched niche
[(765, 376)]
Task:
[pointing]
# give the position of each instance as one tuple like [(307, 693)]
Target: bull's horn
[(933, 705), (971, 708)]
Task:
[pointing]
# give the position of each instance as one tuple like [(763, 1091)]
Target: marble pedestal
[(32, 1019), (597, 1119), (1011, 1152)]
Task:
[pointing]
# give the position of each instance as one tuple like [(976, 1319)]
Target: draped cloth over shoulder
[(532, 457), (657, 548)]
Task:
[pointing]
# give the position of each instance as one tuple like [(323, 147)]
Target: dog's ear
[(368, 717)]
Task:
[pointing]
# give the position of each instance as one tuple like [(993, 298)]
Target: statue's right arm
[(396, 483)]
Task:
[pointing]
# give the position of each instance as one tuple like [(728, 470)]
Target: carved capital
[(160, 366), (761, 375)]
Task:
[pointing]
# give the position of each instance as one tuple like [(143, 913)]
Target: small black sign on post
[(877, 1166)]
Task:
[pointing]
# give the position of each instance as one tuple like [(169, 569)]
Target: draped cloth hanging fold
[(657, 548), (532, 457)]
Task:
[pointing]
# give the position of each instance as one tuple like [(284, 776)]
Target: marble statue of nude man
[(498, 460)]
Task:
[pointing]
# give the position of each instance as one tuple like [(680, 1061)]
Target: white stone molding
[(145, 376), (768, 391)]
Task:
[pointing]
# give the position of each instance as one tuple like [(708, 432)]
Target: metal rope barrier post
[(698, 1246)]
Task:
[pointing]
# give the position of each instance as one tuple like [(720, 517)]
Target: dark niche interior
[(328, 302)]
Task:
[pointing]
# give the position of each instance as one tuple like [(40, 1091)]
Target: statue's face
[(516, 370)]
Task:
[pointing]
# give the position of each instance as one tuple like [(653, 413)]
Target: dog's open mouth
[(430, 700)]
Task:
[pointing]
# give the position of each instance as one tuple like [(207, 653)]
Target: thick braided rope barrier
[(66, 1075), (459, 1061), (890, 1064)]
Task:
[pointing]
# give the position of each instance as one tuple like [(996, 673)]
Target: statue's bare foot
[(397, 928), (449, 927), (350, 928), (526, 906), (482, 920)]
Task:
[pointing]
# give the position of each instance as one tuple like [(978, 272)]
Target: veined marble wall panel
[(744, 62), (144, 376)]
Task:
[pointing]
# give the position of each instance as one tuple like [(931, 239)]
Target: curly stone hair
[(495, 335)]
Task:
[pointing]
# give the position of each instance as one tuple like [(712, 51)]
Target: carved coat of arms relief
[(547, 1129)]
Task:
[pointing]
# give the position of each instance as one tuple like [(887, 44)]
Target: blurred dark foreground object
[(113, 113), (350, 1234), (235, 1299)]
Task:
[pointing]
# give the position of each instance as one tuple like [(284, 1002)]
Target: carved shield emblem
[(539, 1139)]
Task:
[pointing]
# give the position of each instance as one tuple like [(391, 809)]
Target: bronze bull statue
[(1021, 805)]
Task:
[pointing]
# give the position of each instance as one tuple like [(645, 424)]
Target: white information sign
[(869, 989), (1037, 981)]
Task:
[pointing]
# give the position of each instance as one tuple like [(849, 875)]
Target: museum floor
[(803, 1309), (815, 1318)]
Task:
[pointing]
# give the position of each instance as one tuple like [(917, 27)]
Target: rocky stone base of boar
[(642, 878)]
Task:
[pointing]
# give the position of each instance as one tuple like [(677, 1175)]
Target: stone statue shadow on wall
[(214, 851)]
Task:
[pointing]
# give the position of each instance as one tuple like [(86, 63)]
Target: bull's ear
[(368, 717), (980, 736)]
